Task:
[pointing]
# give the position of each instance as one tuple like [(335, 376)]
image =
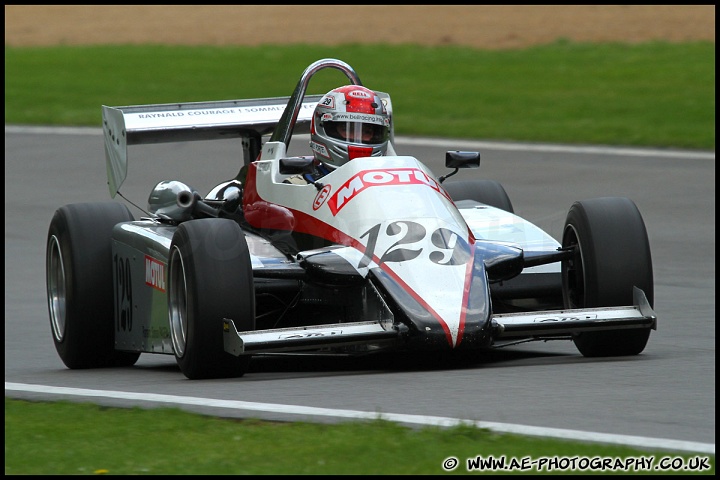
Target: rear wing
[(181, 122), (248, 119)]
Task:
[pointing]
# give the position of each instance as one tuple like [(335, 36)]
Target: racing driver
[(348, 122)]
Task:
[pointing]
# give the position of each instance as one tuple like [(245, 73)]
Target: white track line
[(437, 142), (538, 147), (633, 441)]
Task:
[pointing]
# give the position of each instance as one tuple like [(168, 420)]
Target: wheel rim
[(177, 303), (572, 271), (56, 290)]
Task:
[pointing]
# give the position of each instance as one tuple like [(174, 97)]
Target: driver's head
[(349, 122)]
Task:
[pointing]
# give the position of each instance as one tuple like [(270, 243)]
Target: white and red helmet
[(349, 122)]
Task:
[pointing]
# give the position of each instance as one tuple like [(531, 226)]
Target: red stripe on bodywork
[(418, 298)]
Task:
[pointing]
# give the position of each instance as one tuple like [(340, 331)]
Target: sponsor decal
[(378, 178), (321, 197), (212, 112), (161, 115), (359, 94), (259, 111), (155, 332), (327, 333), (361, 117), (154, 273), (560, 318), (190, 113), (271, 108), (320, 149)]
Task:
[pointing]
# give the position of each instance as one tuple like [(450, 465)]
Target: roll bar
[(284, 130)]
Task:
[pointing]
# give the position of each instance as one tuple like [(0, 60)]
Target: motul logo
[(377, 178), (154, 273)]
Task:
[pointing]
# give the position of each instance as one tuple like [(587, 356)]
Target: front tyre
[(79, 281), (209, 278), (612, 254)]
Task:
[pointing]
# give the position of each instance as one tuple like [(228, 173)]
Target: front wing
[(537, 325)]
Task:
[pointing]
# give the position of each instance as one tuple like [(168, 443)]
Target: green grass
[(66, 438), (652, 94)]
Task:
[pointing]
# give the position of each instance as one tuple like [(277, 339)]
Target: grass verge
[(64, 438), (652, 94)]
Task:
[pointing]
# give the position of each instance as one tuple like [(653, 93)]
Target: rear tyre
[(488, 192), (79, 281), (209, 278), (612, 255)]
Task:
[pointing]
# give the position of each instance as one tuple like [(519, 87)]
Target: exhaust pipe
[(172, 200)]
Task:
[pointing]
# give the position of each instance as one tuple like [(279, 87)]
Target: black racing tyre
[(79, 281), (209, 278), (488, 192), (612, 256)]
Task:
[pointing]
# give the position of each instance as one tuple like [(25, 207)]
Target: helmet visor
[(357, 132)]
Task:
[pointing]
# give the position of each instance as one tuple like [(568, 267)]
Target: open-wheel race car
[(379, 254)]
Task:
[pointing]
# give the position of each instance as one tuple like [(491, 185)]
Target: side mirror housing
[(458, 159)]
